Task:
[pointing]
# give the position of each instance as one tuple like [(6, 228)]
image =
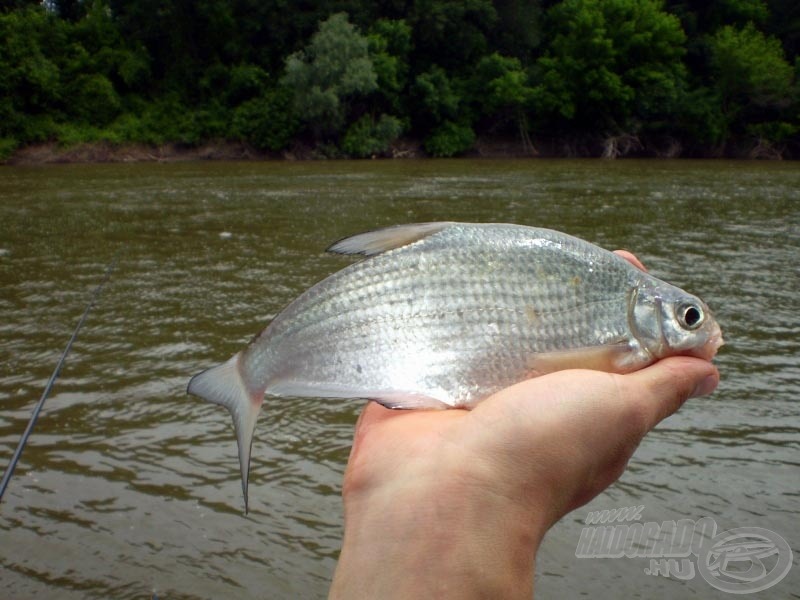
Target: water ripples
[(129, 487)]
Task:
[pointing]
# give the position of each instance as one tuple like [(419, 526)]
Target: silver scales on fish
[(442, 315)]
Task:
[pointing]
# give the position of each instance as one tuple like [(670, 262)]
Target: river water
[(130, 488)]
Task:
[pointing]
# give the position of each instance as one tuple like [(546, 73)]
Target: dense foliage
[(350, 78)]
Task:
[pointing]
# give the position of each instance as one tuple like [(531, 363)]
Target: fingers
[(631, 258), (661, 389)]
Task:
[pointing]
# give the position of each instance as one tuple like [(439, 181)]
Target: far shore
[(106, 152)]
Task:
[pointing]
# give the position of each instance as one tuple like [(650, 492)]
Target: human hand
[(455, 503)]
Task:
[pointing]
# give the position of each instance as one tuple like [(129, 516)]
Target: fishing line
[(37, 409)]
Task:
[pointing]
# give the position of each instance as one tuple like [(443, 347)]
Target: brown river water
[(129, 488)]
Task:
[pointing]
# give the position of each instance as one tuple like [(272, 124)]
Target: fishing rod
[(38, 408)]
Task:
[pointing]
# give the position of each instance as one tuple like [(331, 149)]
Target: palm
[(570, 431)]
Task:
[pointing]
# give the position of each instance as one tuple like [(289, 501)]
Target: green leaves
[(451, 33), (266, 122), (610, 64), (450, 139), (367, 138), (389, 47), (442, 72), (334, 68), (94, 100), (501, 82), (750, 67), (437, 95)]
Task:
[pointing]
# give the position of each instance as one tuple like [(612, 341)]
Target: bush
[(367, 138), (701, 117), (94, 100), (35, 128), (164, 121), (268, 122), (210, 121), (774, 132), (10, 118), (246, 82), (7, 147), (71, 134), (127, 128), (450, 139)]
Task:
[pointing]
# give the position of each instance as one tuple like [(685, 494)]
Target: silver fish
[(442, 315)]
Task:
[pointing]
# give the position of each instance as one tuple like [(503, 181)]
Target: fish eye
[(690, 316)]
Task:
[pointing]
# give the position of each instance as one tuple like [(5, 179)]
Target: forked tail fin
[(224, 385)]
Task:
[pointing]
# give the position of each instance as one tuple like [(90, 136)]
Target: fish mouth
[(709, 350)]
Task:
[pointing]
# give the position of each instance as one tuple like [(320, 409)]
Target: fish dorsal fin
[(388, 238)]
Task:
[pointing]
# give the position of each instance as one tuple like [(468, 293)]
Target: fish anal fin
[(410, 401), (388, 238), (390, 398)]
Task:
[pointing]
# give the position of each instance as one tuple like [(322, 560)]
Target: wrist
[(439, 527)]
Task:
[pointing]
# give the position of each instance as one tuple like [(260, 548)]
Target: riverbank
[(611, 147), (106, 152)]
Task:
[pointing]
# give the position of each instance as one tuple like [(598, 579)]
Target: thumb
[(661, 389)]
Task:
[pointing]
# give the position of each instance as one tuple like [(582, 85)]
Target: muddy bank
[(611, 147), (102, 152)]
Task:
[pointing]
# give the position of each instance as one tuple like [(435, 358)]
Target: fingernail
[(705, 387)]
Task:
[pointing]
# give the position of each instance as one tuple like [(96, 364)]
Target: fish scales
[(433, 312), (444, 314), (408, 300)]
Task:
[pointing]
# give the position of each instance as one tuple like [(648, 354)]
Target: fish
[(444, 314)]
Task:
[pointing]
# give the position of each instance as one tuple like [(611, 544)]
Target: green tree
[(442, 112), (700, 120), (438, 97), (610, 66), (500, 86), (518, 30), (500, 89), (389, 49), (266, 72), (451, 33), (755, 85), (700, 16), (750, 69), (334, 69), (30, 79), (784, 23)]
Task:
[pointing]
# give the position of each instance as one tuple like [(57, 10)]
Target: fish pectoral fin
[(388, 238), (608, 357)]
